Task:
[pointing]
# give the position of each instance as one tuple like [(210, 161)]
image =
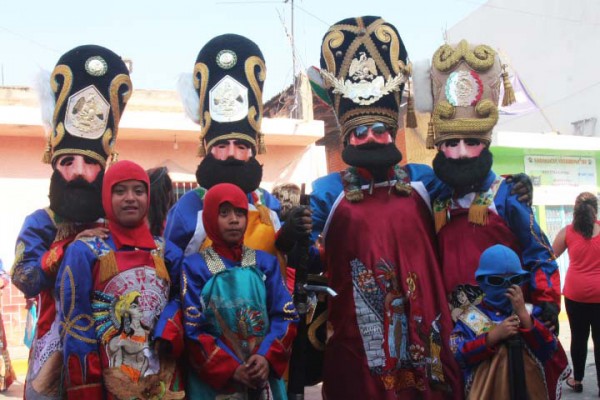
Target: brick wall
[(14, 316)]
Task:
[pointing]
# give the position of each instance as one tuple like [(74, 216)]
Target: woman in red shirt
[(582, 283)]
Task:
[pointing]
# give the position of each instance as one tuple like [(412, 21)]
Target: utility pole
[(296, 110)]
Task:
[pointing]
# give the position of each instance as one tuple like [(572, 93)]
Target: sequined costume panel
[(232, 311)]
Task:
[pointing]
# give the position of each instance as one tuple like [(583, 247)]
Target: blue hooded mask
[(499, 260)]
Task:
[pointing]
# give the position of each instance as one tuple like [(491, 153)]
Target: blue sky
[(163, 38)]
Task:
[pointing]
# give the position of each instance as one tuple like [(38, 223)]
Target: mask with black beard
[(244, 174), (77, 200), (464, 175), (375, 157)]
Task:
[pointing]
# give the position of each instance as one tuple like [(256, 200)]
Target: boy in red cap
[(111, 292), (239, 318)]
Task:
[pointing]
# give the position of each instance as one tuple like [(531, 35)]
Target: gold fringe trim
[(160, 267), (114, 157), (509, 92), (264, 214), (440, 218), (403, 189), (201, 148), (411, 118), (47, 157), (354, 196), (430, 141), (108, 266), (478, 214), (262, 147)]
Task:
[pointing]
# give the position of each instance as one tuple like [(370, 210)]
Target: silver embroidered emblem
[(226, 59), (363, 85), (96, 66), (464, 88), (87, 113), (228, 100)]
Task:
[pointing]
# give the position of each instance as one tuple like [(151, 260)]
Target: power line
[(35, 42), (313, 15)]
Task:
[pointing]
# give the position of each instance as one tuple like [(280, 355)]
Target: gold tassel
[(264, 214), (411, 118), (47, 157), (440, 218), (114, 157), (262, 147), (160, 267), (108, 266), (430, 141), (509, 93), (201, 149), (478, 214)]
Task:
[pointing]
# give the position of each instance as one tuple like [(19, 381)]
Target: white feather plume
[(189, 96), (46, 98), (423, 93)]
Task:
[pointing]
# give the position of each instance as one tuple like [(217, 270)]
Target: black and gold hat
[(228, 77), (91, 87), (364, 66)]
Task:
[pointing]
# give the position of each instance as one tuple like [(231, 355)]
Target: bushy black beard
[(375, 157), (77, 200), (244, 174), (464, 175)]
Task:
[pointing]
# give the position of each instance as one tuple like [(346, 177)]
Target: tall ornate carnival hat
[(364, 68), (461, 90), (226, 101), (83, 103)]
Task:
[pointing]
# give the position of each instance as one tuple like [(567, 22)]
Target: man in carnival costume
[(477, 209), (226, 100), (82, 104), (390, 323)]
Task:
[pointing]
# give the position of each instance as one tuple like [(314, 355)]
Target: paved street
[(590, 386)]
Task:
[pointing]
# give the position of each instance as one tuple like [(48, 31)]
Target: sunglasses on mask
[(505, 281), (378, 128)]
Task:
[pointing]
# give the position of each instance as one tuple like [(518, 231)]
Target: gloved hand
[(549, 315), (297, 226), (523, 187)]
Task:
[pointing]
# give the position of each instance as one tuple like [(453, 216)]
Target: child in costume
[(482, 331), (112, 291), (239, 318)]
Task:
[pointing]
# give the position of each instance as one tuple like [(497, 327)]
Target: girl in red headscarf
[(113, 300), (239, 318)]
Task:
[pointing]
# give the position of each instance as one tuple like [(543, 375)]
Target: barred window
[(181, 188)]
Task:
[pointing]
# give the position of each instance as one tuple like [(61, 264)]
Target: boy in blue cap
[(480, 332)]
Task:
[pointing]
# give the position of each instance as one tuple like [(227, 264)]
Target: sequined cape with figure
[(390, 323), (486, 368), (109, 305), (231, 311), (39, 250)]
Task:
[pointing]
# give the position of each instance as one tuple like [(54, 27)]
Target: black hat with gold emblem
[(364, 66), (228, 79), (91, 87)]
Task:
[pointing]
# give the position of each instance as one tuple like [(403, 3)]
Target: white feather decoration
[(46, 98), (423, 93), (188, 96)]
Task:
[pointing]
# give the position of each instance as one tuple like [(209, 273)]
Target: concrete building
[(153, 132)]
